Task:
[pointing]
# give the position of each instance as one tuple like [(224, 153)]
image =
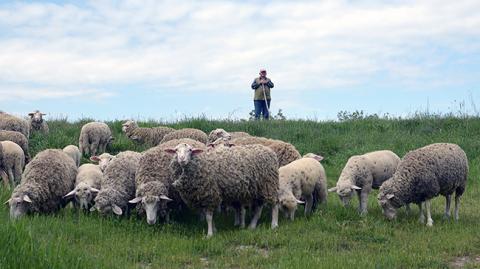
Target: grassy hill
[(334, 237)]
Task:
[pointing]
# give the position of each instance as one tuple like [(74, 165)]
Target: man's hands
[(263, 81)]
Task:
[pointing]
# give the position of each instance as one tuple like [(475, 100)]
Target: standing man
[(261, 99)]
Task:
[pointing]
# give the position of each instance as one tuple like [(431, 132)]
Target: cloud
[(218, 46), (29, 93)]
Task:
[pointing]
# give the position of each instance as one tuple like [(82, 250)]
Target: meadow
[(334, 237)]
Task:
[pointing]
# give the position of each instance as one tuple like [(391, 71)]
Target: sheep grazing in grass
[(238, 176), (13, 161), (154, 181), (37, 123), (221, 133), (423, 174), (103, 160), (362, 173), (74, 153), (87, 185), (149, 136), (191, 133), (302, 179), (17, 138), (45, 180), (286, 152), (94, 138), (118, 185), (12, 123)]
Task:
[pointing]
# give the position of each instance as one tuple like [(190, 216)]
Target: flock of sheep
[(212, 174)]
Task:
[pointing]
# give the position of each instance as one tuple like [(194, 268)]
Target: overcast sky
[(169, 59)]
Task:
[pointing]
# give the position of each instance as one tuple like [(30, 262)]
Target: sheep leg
[(256, 216), (237, 216), (448, 202), (308, 204), (18, 174), (457, 204), (243, 211), (4, 178), (94, 148), (209, 217), (11, 177), (407, 209), (363, 203), (275, 209), (421, 219), (429, 216)]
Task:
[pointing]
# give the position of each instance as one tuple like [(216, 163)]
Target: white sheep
[(87, 185), (363, 173), (103, 160), (94, 137), (37, 123), (74, 153), (12, 161)]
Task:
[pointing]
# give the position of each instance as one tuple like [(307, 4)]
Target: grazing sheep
[(37, 123), (221, 133), (45, 180), (13, 161), (118, 185), (17, 138), (87, 185), (362, 173), (150, 136), (304, 178), (94, 137), (74, 153), (103, 160), (238, 176), (286, 152), (154, 180), (12, 123), (191, 133), (423, 174)]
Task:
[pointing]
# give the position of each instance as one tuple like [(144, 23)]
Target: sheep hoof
[(430, 223)]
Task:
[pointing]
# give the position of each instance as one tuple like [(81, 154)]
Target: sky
[(167, 60)]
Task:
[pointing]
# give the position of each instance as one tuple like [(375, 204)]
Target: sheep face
[(128, 126), (103, 160), (389, 211), (19, 205), (220, 133), (104, 206), (84, 195), (36, 116), (183, 153), (345, 192), (288, 204), (152, 205)]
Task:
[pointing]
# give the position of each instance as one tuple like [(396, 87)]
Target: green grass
[(334, 237)]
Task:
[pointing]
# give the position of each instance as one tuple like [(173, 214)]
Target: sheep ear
[(332, 189), (390, 196), (196, 151), (300, 202), (43, 114), (164, 197), (94, 190), (135, 200), (31, 114), (117, 210), (94, 159), (170, 151), (68, 195), (92, 209), (318, 157), (7, 202), (27, 199), (354, 187)]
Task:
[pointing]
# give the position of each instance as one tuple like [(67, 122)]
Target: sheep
[(19, 139), (154, 180), (49, 175), (118, 185), (12, 123), (221, 133), (191, 133), (87, 185), (362, 173), (13, 161), (423, 174), (74, 153), (238, 176), (286, 152), (94, 137), (304, 178), (37, 123), (103, 160), (149, 136)]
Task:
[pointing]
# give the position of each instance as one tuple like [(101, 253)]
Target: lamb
[(148, 136), (221, 133), (17, 138), (37, 123), (423, 174), (87, 185), (286, 152), (362, 173), (304, 178), (238, 176), (45, 180), (74, 153), (103, 160), (12, 123), (118, 185), (94, 137), (191, 133), (13, 161), (154, 180)]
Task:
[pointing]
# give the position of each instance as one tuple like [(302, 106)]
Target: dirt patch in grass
[(462, 262)]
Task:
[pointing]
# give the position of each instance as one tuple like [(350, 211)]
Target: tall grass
[(334, 237)]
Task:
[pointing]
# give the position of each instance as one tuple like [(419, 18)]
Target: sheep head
[(183, 153), (36, 116), (19, 205)]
